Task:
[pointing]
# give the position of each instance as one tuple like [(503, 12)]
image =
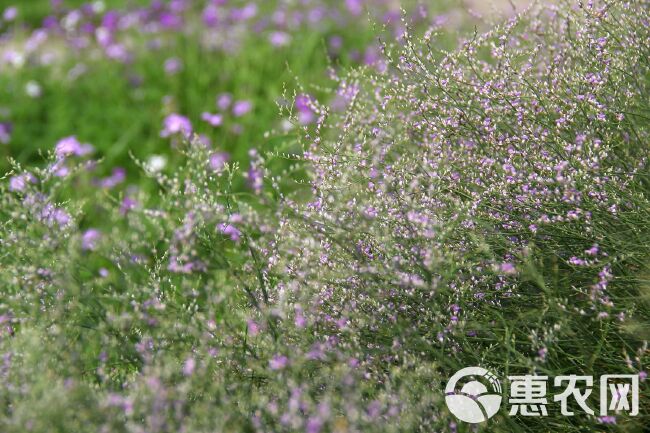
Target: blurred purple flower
[(335, 43), (170, 21), (117, 52), (245, 13), (111, 20), (278, 362), (218, 160), (224, 100), (51, 215), (68, 146), (5, 132), (253, 328), (355, 7), (90, 239), (188, 367), (314, 425), (231, 231), (117, 176), (176, 124), (508, 268), (212, 119), (173, 65), (305, 114), (279, 39), (19, 182), (10, 13), (255, 179), (241, 108), (127, 205), (50, 22), (210, 15)]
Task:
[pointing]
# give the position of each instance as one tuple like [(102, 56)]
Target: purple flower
[(176, 124), (10, 13), (71, 146), (218, 160), (278, 362), (355, 7), (5, 132), (188, 367), (230, 231), (19, 182), (127, 205), (577, 261), (117, 52), (305, 113), (170, 21), (314, 425), (607, 419), (111, 20), (51, 215), (255, 179), (508, 268), (90, 239), (210, 16), (117, 176), (173, 65), (245, 13), (224, 100), (241, 107), (212, 119), (253, 328), (279, 39)]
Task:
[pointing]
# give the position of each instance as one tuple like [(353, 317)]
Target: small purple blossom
[(117, 176), (10, 14), (69, 146), (607, 419), (354, 7), (173, 66), (218, 160), (189, 366), (240, 108), (210, 15), (253, 328), (278, 362), (5, 132), (255, 179), (279, 39), (507, 268), (176, 124), (90, 239), (231, 231), (577, 261), (19, 182), (306, 114), (212, 119), (127, 205), (223, 101)]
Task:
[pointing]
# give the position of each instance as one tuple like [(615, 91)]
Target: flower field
[(308, 215)]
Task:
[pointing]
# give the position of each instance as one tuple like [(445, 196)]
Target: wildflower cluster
[(486, 205)]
